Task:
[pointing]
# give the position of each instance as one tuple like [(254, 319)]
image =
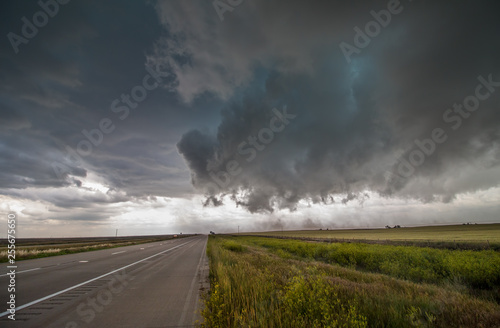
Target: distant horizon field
[(473, 233)]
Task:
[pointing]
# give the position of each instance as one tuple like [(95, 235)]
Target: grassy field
[(31, 248), (469, 233), (266, 282)]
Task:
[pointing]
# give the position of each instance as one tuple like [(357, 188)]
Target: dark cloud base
[(358, 124)]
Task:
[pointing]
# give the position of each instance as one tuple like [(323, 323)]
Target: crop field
[(469, 233), (268, 282)]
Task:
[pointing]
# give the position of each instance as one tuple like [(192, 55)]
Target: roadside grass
[(258, 287), (476, 270), (40, 251), (233, 246)]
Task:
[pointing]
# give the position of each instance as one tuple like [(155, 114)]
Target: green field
[(469, 233), (267, 282)]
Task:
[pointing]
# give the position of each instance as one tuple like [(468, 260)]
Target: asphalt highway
[(149, 285)]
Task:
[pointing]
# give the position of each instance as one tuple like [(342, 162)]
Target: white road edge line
[(1, 275), (190, 293), (118, 252), (86, 282)]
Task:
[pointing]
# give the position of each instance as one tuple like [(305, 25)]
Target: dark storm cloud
[(197, 148), (64, 80), (357, 122), (350, 125), (65, 199), (26, 161), (324, 148)]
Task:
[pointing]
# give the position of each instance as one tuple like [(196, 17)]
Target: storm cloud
[(273, 111), (363, 125)]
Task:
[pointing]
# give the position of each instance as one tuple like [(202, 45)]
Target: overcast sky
[(187, 116)]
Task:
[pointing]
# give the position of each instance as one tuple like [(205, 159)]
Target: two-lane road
[(148, 285)]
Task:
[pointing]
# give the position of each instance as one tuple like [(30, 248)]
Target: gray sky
[(167, 116)]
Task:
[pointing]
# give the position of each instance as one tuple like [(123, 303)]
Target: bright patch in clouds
[(163, 215)]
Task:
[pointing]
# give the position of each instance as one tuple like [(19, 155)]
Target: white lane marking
[(21, 271), (142, 248), (5, 274), (88, 281)]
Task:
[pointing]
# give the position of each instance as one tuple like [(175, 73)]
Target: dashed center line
[(118, 252), (91, 280)]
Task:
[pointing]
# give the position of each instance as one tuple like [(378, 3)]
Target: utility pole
[(116, 234), (238, 230)]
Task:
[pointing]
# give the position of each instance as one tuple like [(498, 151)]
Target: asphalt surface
[(149, 285)]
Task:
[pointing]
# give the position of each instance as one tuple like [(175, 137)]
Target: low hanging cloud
[(410, 98)]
